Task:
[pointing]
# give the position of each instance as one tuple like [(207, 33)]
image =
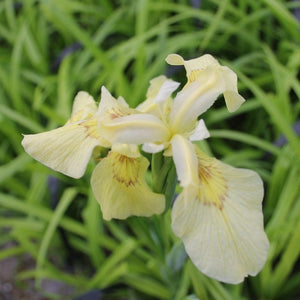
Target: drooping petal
[(232, 98), (185, 160), (66, 149), (119, 185), (221, 222)]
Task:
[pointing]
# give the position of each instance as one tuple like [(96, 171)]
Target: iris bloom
[(218, 214), (118, 180)]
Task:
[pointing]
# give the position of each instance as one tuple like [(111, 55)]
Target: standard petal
[(221, 223), (135, 129), (118, 183), (107, 102), (185, 160), (84, 107), (160, 90), (66, 149), (165, 91)]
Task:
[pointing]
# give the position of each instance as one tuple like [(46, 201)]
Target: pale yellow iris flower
[(118, 181), (218, 215)]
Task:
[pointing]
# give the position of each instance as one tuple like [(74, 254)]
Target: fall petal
[(118, 183), (232, 98), (66, 149), (221, 223)]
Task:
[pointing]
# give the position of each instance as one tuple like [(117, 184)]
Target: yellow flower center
[(125, 169), (213, 189)]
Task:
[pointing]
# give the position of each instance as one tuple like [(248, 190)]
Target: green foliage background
[(123, 46)]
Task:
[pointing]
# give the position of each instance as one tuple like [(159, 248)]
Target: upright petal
[(221, 222), (84, 107), (161, 88), (111, 108), (66, 149), (119, 185)]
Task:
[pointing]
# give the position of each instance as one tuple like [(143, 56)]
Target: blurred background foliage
[(51, 49)]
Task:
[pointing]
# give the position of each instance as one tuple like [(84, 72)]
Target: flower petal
[(232, 98), (153, 148), (126, 150), (175, 60), (185, 160), (195, 67), (195, 99), (200, 132), (118, 183), (221, 223), (66, 149), (165, 91), (135, 129), (160, 90), (84, 107), (120, 124)]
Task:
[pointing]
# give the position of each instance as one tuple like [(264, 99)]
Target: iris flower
[(218, 214), (118, 181)]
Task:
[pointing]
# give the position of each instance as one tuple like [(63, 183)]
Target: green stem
[(164, 176)]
